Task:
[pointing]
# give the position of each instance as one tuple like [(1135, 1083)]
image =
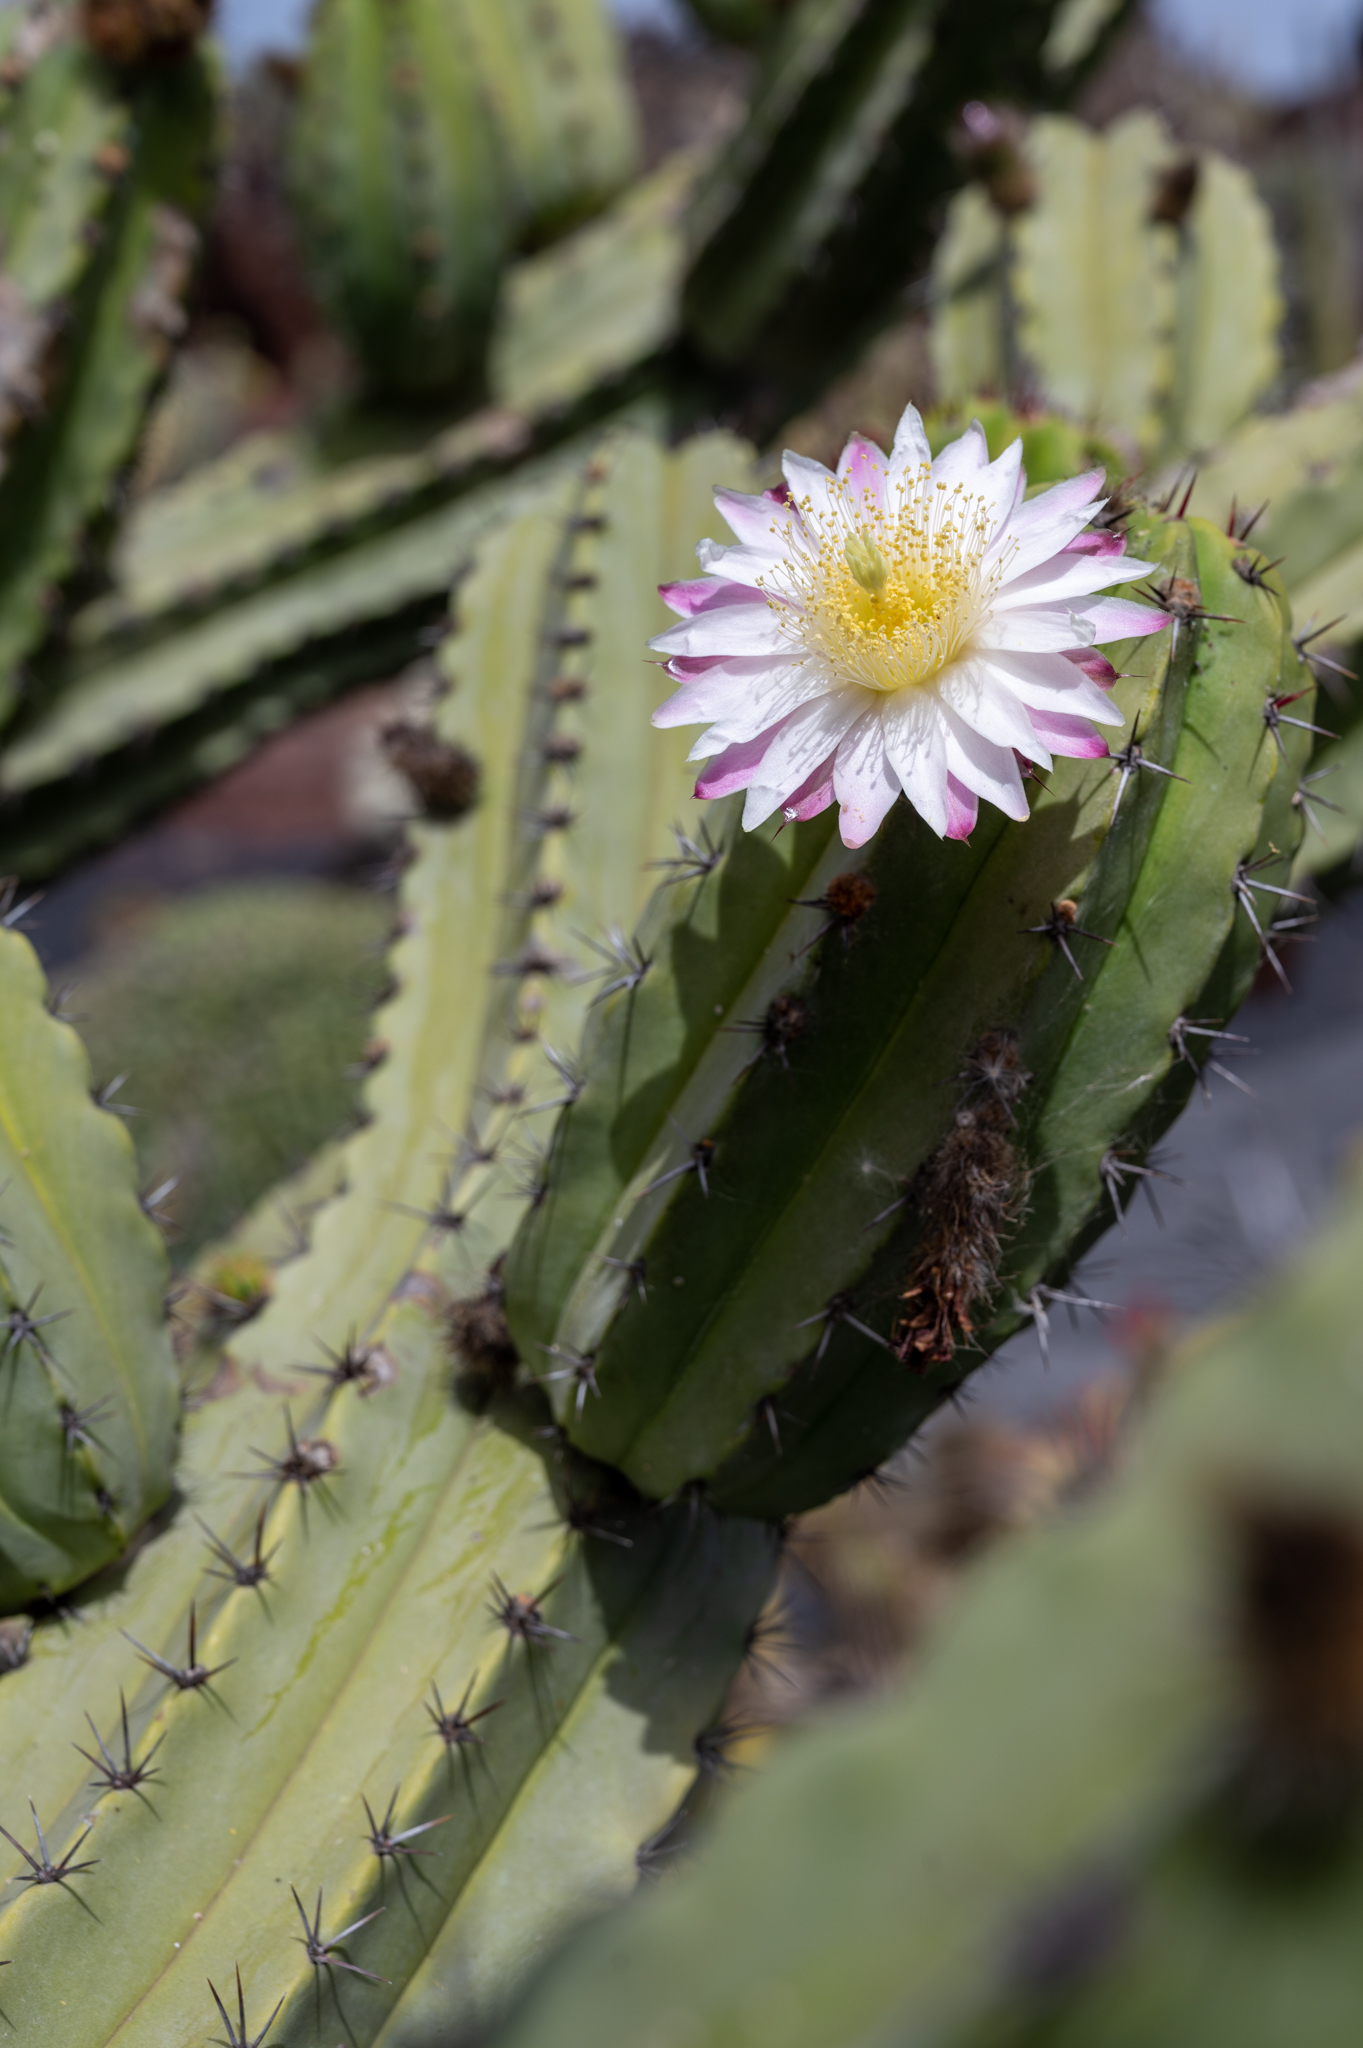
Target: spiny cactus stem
[(23, 1327), (1116, 1167), (839, 1310), (349, 1366), (307, 1460), (522, 1615), (1184, 1028), (77, 1423), (240, 2036), (1307, 804), (456, 1728), (1037, 1307), (1242, 886), (702, 1157), (386, 1845), (1274, 719), (1302, 643), (41, 1868), (191, 1676), (1060, 927), (1129, 761), (579, 1367), (323, 1954), (116, 1777), (694, 859), (252, 1571)]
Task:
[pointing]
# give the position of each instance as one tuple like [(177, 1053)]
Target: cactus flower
[(907, 624)]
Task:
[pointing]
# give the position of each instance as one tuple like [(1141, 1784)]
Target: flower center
[(892, 594)]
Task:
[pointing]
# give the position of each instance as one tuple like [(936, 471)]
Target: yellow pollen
[(889, 596)]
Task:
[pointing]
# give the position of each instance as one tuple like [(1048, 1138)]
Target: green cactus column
[(859, 1107), (104, 179)]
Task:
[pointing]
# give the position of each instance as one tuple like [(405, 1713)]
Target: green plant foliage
[(1119, 1801), (824, 206), (398, 1521), (1132, 288), (86, 1379), (400, 191), (785, 1186), (104, 178), (236, 1014)]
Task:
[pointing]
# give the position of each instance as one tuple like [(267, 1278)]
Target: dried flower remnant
[(910, 625)]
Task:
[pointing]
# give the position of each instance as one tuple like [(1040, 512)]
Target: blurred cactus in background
[(383, 1588)]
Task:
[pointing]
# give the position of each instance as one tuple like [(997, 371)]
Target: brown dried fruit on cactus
[(444, 776)]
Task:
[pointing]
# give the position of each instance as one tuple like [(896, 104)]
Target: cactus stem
[(522, 1615), (77, 1423), (702, 1157), (243, 2038), (1128, 762), (995, 1069), (41, 1868), (553, 818), (767, 1410), (765, 1639), (191, 1676), (252, 1571), (325, 1955), (573, 1081), (128, 1776), (454, 1726), (839, 1310), (1184, 1028), (579, 1367), (1060, 928), (389, 1846), (694, 858), (567, 690), (150, 1203), (1116, 1166), (23, 1327), (712, 1745)]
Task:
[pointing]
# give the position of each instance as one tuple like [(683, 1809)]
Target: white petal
[(736, 629), (1068, 576), (797, 750), (758, 521), (984, 699), (753, 566), (911, 451), (963, 460), (862, 472), (1034, 630), (780, 692), (721, 691), (992, 772), (815, 491), (915, 741), (1047, 682), (1042, 525), (864, 781)]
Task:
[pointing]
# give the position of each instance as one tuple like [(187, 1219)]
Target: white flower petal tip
[(906, 625)]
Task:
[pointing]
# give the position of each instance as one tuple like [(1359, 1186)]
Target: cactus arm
[(968, 271), (1230, 308), (804, 1163), (124, 321), (556, 83), (77, 1247), (581, 316), (1079, 1719), (1095, 278)]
